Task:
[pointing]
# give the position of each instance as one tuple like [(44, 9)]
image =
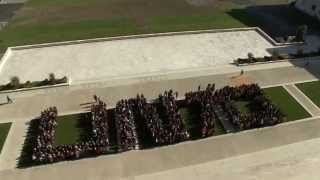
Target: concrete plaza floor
[(133, 57), (140, 57)]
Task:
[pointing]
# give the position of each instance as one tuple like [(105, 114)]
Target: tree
[(275, 55), (301, 33), (15, 82), (52, 78), (300, 51), (250, 57)]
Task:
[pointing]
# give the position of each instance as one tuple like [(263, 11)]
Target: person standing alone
[(9, 100)]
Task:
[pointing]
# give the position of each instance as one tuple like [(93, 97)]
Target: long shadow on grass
[(191, 118), (25, 159), (85, 127)]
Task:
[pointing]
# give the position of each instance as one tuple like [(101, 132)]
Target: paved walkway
[(303, 100), (13, 145), (69, 99), (297, 161)]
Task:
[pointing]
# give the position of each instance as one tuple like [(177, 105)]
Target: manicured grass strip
[(190, 119), (70, 129), (312, 90), (243, 106), (4, 130), (192, 122), (287, 104)]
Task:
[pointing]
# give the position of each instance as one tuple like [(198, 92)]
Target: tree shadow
[(275, 20), (7, 11)]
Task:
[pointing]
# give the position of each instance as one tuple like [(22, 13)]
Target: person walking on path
[(9, 100), (242, 72)]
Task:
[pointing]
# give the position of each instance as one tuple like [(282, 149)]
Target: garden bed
[(274, 58)]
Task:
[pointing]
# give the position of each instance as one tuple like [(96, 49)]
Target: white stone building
[(311, 7)]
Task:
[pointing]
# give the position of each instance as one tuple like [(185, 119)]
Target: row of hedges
[(275, 57), (15, 83)]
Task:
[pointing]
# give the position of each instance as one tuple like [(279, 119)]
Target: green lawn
[(312, 90), (192, 123), (4, 130), (71, 129), (287, 104), (41, 21), (243, 106)]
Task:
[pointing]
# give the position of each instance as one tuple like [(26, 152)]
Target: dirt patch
[(241, 80)]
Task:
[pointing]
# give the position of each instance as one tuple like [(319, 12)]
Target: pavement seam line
[(308, 99), (289, 83)]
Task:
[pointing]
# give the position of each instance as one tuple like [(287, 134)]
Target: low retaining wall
[(268, 62), (257, 29)]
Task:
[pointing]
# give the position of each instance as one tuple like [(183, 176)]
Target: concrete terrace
[(140, 56), (129, 57)]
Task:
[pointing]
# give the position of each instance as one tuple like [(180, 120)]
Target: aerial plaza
[(180, 89)]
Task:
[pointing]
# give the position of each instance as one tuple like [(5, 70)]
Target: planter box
[(34, 88)]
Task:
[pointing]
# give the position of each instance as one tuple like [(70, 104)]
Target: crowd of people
[(45, 151), (161, 120), (264, 113), (127, 136), (203, 100), (167, 129), (148, 114), (175, 130), (47, 124), (99, 122)]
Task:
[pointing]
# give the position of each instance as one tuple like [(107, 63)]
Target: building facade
[(311, 7)]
